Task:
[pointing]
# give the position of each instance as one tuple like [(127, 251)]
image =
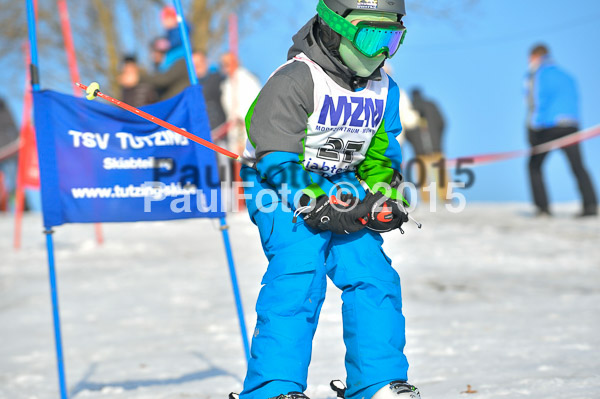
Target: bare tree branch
[(99, 39), (106, 22)]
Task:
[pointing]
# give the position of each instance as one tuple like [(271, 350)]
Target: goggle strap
[(336, 22)]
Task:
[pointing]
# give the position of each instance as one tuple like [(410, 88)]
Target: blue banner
[(99, 163)]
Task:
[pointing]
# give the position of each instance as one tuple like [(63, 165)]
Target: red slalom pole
[(160, 122), (63, 12), (67, 33), (25, 124), (562, 142)]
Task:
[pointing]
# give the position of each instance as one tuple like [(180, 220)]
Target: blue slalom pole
[(186, 43), (35, 86), (56, 315), (224, 228), (236, 290), (34, 69)]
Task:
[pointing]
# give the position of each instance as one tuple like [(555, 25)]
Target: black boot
[(398, 390), (588, 211)]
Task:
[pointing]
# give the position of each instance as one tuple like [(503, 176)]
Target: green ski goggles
[(371, 38)]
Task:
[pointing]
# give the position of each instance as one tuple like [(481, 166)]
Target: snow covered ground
[(493, 299)]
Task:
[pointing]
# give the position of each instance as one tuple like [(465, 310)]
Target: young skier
[(321, 138)]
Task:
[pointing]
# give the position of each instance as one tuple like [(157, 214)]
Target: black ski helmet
[(344, 7)]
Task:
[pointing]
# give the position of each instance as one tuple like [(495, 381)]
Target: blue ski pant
[(294, 286)]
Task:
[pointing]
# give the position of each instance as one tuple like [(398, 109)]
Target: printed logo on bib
[(351, 114), (367, 4)]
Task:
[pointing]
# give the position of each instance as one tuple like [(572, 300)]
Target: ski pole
[(93, 91)]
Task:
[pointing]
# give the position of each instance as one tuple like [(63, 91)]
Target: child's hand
[(343, 214), (386, 215)]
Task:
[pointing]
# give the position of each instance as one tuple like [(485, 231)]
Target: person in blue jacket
[(554, 113), (324, 183), (171, 76)]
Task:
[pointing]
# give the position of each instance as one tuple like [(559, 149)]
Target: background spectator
[(553, 113), (239, 90), (133, 90), (426, 140), (158, 49), (408, 117), (9, 134), (172, 76), (211, 87)]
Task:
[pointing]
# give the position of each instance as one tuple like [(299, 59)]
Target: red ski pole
[(93, 91)]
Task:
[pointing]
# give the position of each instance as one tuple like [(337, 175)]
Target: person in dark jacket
[(9, 146), (426, 140), (134, 90), (211, 88), (211, 81), (553, 113)]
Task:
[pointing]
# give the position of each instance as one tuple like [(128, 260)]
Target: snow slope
[(493, 299)]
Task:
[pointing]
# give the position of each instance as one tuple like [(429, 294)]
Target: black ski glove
[(343, 214), (386, 215)]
